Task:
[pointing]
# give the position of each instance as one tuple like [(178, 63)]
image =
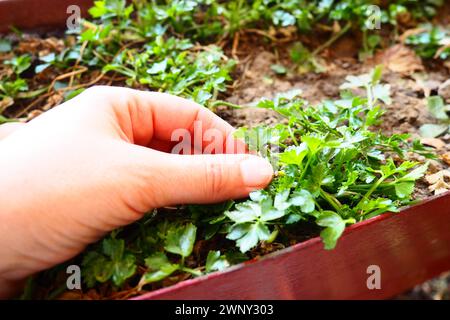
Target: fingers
[(8, 128), (187, 179), (145, 116)]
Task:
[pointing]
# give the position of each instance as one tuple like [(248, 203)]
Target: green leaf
[(5, 120), (20, 63), (416, 173), (436, 106), (293, 218), (98, 10), (278, 69), (376, 207), (353, 82), (248, 235), (262, 231), (156, 261), (96, 268), (41, 67), (159, 268), (180, 240), (404, 189), (245, 212), (5, 45), (158, 67), (334, 226), (113, 248), (294, 155), (72, 93), (158, 275), (280, 201), (123, 269), (114, 263), (273, 214), (433, 130), (216, 262), (377, 72), (304, 200), (249, 240), (313, 143), (383, 93), (238, 231), (201, 96), (49, 58), (283, 18)]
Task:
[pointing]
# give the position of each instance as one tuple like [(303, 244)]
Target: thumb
[(8, 128), (189, 179)]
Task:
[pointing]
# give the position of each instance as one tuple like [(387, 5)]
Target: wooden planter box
[(409, 247)]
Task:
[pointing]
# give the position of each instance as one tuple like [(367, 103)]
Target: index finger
[(157, 116)]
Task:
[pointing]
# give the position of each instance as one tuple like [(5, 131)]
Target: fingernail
[(256, 172)]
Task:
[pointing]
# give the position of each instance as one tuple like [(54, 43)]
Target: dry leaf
[(433, 142), (5, 103), (439, 182), (446, 158), (447, 64), (53, 100), (425, 85), (71, 295), (40, 46), (405, 19), (411, 32), (444, 90), (33, 114), (400, 59)]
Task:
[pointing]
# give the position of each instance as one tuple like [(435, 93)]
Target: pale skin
[(101, 161)]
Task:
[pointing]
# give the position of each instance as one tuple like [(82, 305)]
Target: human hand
[(99, 162)]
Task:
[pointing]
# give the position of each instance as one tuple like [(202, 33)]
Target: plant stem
[(224, 103), (371, 190), (332, 39), (191, 271), (370, 101), (292, 136), (305, 168), (331, 200)]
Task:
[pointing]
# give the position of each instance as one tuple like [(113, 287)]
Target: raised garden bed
[(408, 247), (407, 250)]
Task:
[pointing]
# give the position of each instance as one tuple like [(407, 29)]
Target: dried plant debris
[(400, 59), (439, 182)]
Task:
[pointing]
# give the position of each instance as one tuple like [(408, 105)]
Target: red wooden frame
[(409, 247), (43, 14)]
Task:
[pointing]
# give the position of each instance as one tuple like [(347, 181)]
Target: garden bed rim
[(273, 255)]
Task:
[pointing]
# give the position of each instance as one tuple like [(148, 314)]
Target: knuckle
[(216, 178)]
